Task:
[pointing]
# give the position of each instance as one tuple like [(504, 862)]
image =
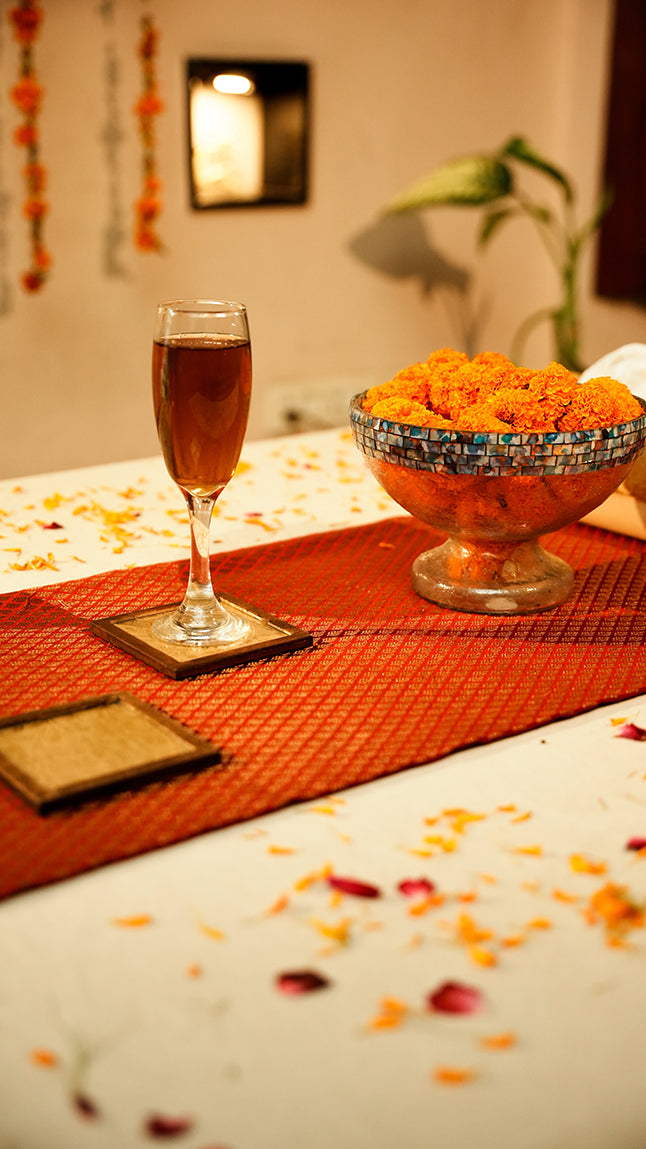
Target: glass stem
[(200, 607)]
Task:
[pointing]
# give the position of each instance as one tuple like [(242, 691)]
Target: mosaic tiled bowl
[(494, 494)]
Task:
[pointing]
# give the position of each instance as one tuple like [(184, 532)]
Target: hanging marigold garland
[(149, 105), (27, 95)]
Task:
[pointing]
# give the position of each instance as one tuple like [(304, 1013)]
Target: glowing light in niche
[(233, 85)]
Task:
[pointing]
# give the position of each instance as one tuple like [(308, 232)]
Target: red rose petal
[(85, 1106), (301, 981), (416, 887), (455, 997), (629, 730), (636, 844), (354, 887), (160, 1126)]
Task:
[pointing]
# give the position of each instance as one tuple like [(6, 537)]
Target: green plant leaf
[(469, 182), (492, 222), (518, 148)]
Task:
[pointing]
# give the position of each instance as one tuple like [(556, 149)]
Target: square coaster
[(83, 749), (268, 636)]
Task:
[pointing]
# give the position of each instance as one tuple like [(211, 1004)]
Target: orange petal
[(44, 1058), (133, 922), (453, 1074), (482, 956), (583, 865), (499, 1041)]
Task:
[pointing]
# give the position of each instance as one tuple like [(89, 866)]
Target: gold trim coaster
[(267, 636), (65, 753)]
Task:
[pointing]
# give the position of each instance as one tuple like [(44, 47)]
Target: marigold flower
[(35, 208), (148, 207), (149, 105), (25, 135), (489, 393), (27, 94), (32, 280), (26, 21)]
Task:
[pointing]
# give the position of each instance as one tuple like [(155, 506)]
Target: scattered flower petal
[(278, 906), (159, 1126), (539, 924), (499, 1041), (513, 940), (353, 887), (636, 844), (133, 922), (453, 1075), (455, 997), (391, 1014), (564, 896), (337, 932), (630, 730), (301, 981), (414, 887), (314, 876), (613, 905), (85, 1106), (45, 1058), (469, 931), (582, 865), (211, 932), (482, 956), (535, 850), (416, 909)]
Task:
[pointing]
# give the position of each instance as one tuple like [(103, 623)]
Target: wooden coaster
[(268, 636), (109, 742)]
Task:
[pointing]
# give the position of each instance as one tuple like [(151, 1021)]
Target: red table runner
[(392, 681)]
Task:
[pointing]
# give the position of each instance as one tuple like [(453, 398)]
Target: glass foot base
[(223, 630), (492, 578)]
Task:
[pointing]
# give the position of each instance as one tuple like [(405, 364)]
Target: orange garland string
[(149, 105), (27, 95)]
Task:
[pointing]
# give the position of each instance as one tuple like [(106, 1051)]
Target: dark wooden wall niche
[(248, 132), (621, 266)]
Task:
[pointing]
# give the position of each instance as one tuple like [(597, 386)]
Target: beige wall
[(398, 87)]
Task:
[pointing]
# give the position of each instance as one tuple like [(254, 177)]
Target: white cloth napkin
[(625, 510)]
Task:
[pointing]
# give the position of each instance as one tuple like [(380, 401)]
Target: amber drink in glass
[(201, 372)]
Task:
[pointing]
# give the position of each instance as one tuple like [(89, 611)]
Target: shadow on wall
[(397, 246)]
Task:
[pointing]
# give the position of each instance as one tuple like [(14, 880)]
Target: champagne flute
[(201, 373)]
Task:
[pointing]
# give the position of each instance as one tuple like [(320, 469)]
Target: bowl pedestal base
[(491, 577)]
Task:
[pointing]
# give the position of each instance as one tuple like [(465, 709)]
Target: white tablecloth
[(149, 987)]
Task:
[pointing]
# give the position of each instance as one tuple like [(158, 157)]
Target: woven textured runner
[(392, 681)]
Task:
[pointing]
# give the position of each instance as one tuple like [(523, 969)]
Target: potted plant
[(490, 181)]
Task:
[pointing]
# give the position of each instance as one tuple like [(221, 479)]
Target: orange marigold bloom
[(489, 393), (148, 44), (479, 417), (148, 105), (27, 94), (402, 410), (613, 904), (33, 280), (35, 208), (42, 258), (25, 135), (148, 207), (26, 20)]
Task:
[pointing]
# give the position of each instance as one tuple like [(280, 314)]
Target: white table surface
[(180, 1016)]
